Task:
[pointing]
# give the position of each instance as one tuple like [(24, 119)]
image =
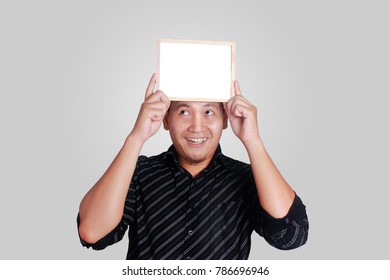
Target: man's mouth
[(197, 140)]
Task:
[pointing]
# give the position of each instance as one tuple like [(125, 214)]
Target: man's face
[(195, 129)]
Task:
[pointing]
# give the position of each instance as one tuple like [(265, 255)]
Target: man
[(192, 202)]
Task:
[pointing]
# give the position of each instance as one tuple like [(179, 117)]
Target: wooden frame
[(193, 70)]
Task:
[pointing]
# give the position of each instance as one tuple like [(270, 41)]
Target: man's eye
[(184, 113), (209, 113)]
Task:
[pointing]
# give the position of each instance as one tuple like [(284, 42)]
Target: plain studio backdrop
[(73, 75)]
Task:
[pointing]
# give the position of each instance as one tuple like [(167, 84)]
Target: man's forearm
[(275, 195), (102, 207)]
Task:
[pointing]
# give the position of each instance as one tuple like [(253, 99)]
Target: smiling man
[(192, 202), (195, 130)]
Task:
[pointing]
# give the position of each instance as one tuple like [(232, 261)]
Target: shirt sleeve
[(128, 217), (114, 236), (285, 233)]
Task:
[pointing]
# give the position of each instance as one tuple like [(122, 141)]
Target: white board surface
[(196, 70)]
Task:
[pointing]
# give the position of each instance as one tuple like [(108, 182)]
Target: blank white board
[(196, 70)]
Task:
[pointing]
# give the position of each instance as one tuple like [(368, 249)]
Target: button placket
[(190, 205), (190, 232), (188, 229)]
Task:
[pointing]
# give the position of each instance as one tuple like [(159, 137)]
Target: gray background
[(73, 74)]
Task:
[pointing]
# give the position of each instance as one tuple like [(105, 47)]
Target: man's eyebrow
[(211, 105), (182, 105), (185, 105)]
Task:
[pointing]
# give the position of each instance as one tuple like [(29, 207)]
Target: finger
[(158, 115), (240, 110), (239, 100), (229, 107), (150, 88), (237, 89), (166, 100), (157, 105), (148, 110), (162, 96), (159, 96)]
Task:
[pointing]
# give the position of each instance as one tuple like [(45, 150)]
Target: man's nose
[(197, 123)]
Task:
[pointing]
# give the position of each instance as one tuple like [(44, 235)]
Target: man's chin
[(196, 159), (198, 155)]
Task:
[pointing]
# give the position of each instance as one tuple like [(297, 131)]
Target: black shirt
[(171, 215)]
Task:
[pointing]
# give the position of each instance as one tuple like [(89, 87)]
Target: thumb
[(237, 89), (150, 88)]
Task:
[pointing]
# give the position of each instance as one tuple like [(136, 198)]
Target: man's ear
[(225, 119), (165, 121)]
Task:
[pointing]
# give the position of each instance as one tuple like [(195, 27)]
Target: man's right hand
[(151, 114)]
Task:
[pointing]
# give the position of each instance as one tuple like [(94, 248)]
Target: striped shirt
[(172, 215)]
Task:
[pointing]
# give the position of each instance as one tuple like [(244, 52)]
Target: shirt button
[(188, 258), (190, 232)]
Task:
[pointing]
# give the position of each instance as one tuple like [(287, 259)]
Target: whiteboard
[(196, 70)]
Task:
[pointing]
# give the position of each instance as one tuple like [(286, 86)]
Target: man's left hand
[(242, 116)]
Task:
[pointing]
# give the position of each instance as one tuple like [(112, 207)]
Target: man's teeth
[(197, 140)]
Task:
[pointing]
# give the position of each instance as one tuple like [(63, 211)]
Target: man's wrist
[(253, 145), (134, 141)]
